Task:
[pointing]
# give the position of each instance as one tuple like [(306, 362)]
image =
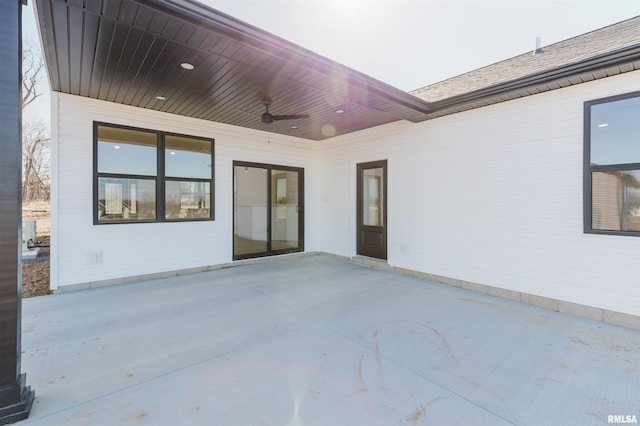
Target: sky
[(410, 43)]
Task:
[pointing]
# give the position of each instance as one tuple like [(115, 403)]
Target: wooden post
[(15, 397)]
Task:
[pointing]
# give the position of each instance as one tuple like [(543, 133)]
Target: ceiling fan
[(268, 118)]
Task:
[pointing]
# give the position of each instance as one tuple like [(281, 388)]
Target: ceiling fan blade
[(290, 117)]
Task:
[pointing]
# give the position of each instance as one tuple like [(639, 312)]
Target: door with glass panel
[(268, 214), (372, 209)]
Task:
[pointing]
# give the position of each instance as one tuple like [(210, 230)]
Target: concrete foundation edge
[(598, 314), (175, 273), (583, 311)]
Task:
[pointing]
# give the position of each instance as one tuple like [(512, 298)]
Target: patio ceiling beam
[(15, 398)]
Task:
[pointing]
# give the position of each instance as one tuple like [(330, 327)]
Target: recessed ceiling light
[(161, 98), (339, 111), (187, 66), (603, 125), (116, 147), (172, 153)]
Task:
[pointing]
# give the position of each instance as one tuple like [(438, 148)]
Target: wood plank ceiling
[(130, 51)]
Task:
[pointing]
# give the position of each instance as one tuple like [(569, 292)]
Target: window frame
[(589, 170), (160, 178)]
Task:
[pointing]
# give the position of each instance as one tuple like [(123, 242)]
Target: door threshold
[(371, 261), (267, 258)]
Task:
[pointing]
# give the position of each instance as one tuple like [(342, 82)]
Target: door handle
[(298, 209)]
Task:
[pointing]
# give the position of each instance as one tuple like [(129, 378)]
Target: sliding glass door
[(285, 209), (250, 233), (268, 216)]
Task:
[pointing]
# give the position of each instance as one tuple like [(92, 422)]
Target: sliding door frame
[(300, 209)]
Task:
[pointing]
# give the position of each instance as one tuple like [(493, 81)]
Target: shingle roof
[(609, 39)]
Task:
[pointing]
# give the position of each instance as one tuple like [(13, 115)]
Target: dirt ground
[(35, 273)]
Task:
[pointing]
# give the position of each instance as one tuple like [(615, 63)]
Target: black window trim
[(159, 178), (589, 169)]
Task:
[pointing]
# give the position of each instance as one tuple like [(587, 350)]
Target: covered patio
[(318, 340)]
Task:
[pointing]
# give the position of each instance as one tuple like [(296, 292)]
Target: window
[(188, 177), (612, 165), (147, 176)]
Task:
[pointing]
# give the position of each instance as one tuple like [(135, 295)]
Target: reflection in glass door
[(249, 210), (284, 210), (268, 216), (372, 196)]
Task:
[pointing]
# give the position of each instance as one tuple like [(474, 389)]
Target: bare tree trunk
[(35, 161), (35, 140)]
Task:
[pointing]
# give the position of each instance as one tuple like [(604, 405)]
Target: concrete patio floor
[(316, 340)]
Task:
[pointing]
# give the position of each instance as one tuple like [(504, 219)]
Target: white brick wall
[(137, 249), (492, 196)]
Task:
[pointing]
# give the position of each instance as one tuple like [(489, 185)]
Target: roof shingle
[(574, 50)]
